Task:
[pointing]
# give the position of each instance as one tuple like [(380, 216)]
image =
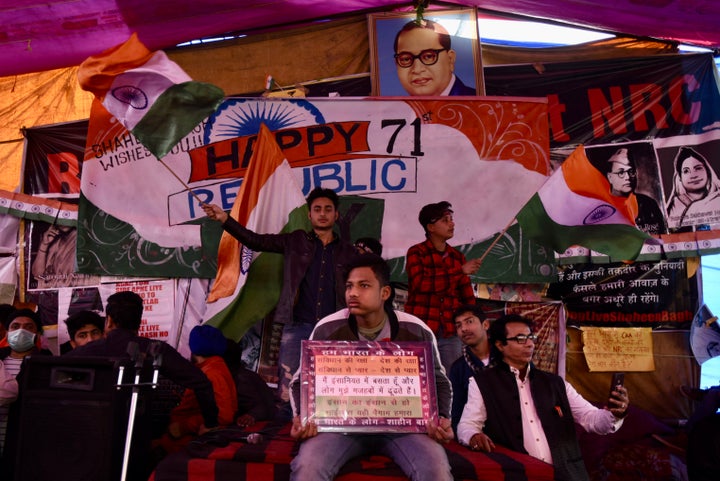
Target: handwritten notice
[(618, 348), (368, 387)]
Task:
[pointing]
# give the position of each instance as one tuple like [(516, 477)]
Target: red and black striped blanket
[(224, 456)]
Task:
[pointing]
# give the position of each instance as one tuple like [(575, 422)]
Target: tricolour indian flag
[(148, 93), (8, 279), (270, 201), (37, 208), (575, 207)]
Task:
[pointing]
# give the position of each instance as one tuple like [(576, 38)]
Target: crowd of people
[(488, 390), (216, 383)]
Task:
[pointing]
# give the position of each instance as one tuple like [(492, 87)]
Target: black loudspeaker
[(72, 420)]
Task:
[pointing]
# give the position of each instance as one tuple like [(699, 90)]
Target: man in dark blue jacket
[(471, 327)]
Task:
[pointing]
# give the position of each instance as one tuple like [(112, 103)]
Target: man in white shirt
[(529, 410)]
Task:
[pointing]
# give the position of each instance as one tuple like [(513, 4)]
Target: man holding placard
[(420, 456)]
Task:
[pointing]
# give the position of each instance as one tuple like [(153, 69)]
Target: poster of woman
[(436, 56), (52, 257), (692, 185)]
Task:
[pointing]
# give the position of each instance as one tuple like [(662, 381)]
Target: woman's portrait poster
[(50, 249), (439, 56), (690, 167)]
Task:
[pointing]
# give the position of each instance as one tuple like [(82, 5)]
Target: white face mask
[(21, 340)]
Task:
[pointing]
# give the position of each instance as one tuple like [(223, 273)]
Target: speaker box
[(72, 420)]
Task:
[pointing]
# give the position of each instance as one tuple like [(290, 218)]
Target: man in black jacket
[(312, 268), (123, 318)]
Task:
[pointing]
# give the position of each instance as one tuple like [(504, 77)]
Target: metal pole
[(131, 425)]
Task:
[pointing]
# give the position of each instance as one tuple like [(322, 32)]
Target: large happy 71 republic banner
[(385, 157)]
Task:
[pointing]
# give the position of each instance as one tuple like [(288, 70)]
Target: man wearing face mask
[(23, 330)]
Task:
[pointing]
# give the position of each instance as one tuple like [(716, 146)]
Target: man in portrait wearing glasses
[(621, 172), (425, 61), (531, 411)]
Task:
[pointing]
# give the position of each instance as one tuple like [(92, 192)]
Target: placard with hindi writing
[(354, 386)]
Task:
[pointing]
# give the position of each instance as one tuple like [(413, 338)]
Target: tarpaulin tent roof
[(42, 35)]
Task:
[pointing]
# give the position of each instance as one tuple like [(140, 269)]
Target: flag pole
[(181, 181), (497, 239)]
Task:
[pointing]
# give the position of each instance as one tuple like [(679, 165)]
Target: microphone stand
[(157, 356), (138, 358)]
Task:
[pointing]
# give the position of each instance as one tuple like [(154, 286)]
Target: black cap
[(432, 213)]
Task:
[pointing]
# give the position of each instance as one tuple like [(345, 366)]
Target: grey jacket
[(403, 327)]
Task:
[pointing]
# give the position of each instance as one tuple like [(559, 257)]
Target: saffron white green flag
[(270, 201), (148, 93), (38, 208), (8, 279), (575, 207)]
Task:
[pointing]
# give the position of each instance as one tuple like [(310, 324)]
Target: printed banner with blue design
[(385, 157)]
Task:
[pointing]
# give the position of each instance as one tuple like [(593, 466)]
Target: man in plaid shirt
[(438, 279)]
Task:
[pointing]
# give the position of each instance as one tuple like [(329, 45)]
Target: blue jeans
[(321, 457), (289, 355), (450, 349)]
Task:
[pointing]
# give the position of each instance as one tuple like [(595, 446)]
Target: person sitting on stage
[(532, 411), (207, 345), (122, 322), (471, 326), (367, 318), (23, 337), (83, 327), (256, 401)]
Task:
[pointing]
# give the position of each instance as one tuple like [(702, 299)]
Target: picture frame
[(462, 27), (645, 183), (701, 211), (354, 386)]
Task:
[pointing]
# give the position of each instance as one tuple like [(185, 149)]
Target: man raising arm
[(529, 410), (312, 264)]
